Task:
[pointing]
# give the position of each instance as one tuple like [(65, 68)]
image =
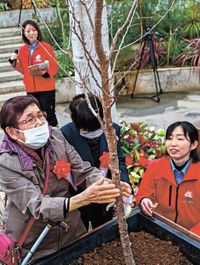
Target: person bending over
[(87, 137)]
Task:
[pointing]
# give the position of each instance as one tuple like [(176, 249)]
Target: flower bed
[(27, 4)]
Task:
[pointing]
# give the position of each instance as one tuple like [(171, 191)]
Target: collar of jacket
[(191, 174), (26, 161)]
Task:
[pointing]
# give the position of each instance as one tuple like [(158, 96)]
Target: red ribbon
[(105, 163), (62, 170), (105, 160)]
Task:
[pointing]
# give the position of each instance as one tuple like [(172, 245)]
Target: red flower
[(143, 161), (141, 139), (105, 160), (61, 169), (131, 138), (129, 160), (135, 126)]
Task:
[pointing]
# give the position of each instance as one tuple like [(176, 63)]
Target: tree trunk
[(87, 75), (109, 130)]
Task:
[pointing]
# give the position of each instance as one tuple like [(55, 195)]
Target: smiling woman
[(171, 184), (39, 83)]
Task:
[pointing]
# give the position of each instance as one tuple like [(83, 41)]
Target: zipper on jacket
[(176, 204), (170, 195), (31, 63)]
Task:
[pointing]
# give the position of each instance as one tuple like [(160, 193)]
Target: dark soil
[(148, 250)]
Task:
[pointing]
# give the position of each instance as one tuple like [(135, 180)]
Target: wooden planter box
[(136, 222)]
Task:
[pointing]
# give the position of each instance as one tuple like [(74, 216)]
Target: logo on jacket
[(188, 197), (38, 58)]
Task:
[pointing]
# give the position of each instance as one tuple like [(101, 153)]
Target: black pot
[(109, 231)]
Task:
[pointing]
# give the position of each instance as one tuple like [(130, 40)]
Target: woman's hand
[(14, 56), (102, 191), (99, 192), (126, 189), (39, 72), (148, 206)]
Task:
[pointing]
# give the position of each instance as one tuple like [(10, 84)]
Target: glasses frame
[(35, 117)]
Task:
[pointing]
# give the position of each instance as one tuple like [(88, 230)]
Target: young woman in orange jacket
[(40, 83), (172, 184)]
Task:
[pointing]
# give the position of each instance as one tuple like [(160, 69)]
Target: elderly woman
[(32, 151)]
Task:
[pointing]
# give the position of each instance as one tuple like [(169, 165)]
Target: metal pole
[(20, 13), (36, 244)]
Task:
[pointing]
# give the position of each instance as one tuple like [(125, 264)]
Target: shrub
[(191, 54), (66, 64), (39, 4), (141, 144)]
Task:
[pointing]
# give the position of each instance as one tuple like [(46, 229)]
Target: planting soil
[(147, 250)]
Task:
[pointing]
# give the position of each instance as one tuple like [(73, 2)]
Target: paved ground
[(172, 107)]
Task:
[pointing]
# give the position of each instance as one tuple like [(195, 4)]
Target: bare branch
[(47, 27), (96, 114), (123, 38), (155, 25), (82, 39), (123, 27), (98, 33), (88, 13)]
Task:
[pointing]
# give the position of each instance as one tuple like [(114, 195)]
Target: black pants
[(96, 214), (47, 103)]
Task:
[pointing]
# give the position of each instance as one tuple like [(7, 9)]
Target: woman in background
[(39, 83), (89, 140)]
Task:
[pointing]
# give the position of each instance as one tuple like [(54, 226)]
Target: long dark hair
[(82, 116), (190, 132), (34, 24)]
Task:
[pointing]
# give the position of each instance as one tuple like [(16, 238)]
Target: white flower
[(188, 194)]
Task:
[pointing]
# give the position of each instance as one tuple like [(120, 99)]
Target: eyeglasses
[(32, 119)]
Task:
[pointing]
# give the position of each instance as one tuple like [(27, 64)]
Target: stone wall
[(171, 79), (65, 90)]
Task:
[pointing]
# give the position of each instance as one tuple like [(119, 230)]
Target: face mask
[(36, 137), (91, 135)]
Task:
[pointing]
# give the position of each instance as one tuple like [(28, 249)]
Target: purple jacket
[(23, 180)]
